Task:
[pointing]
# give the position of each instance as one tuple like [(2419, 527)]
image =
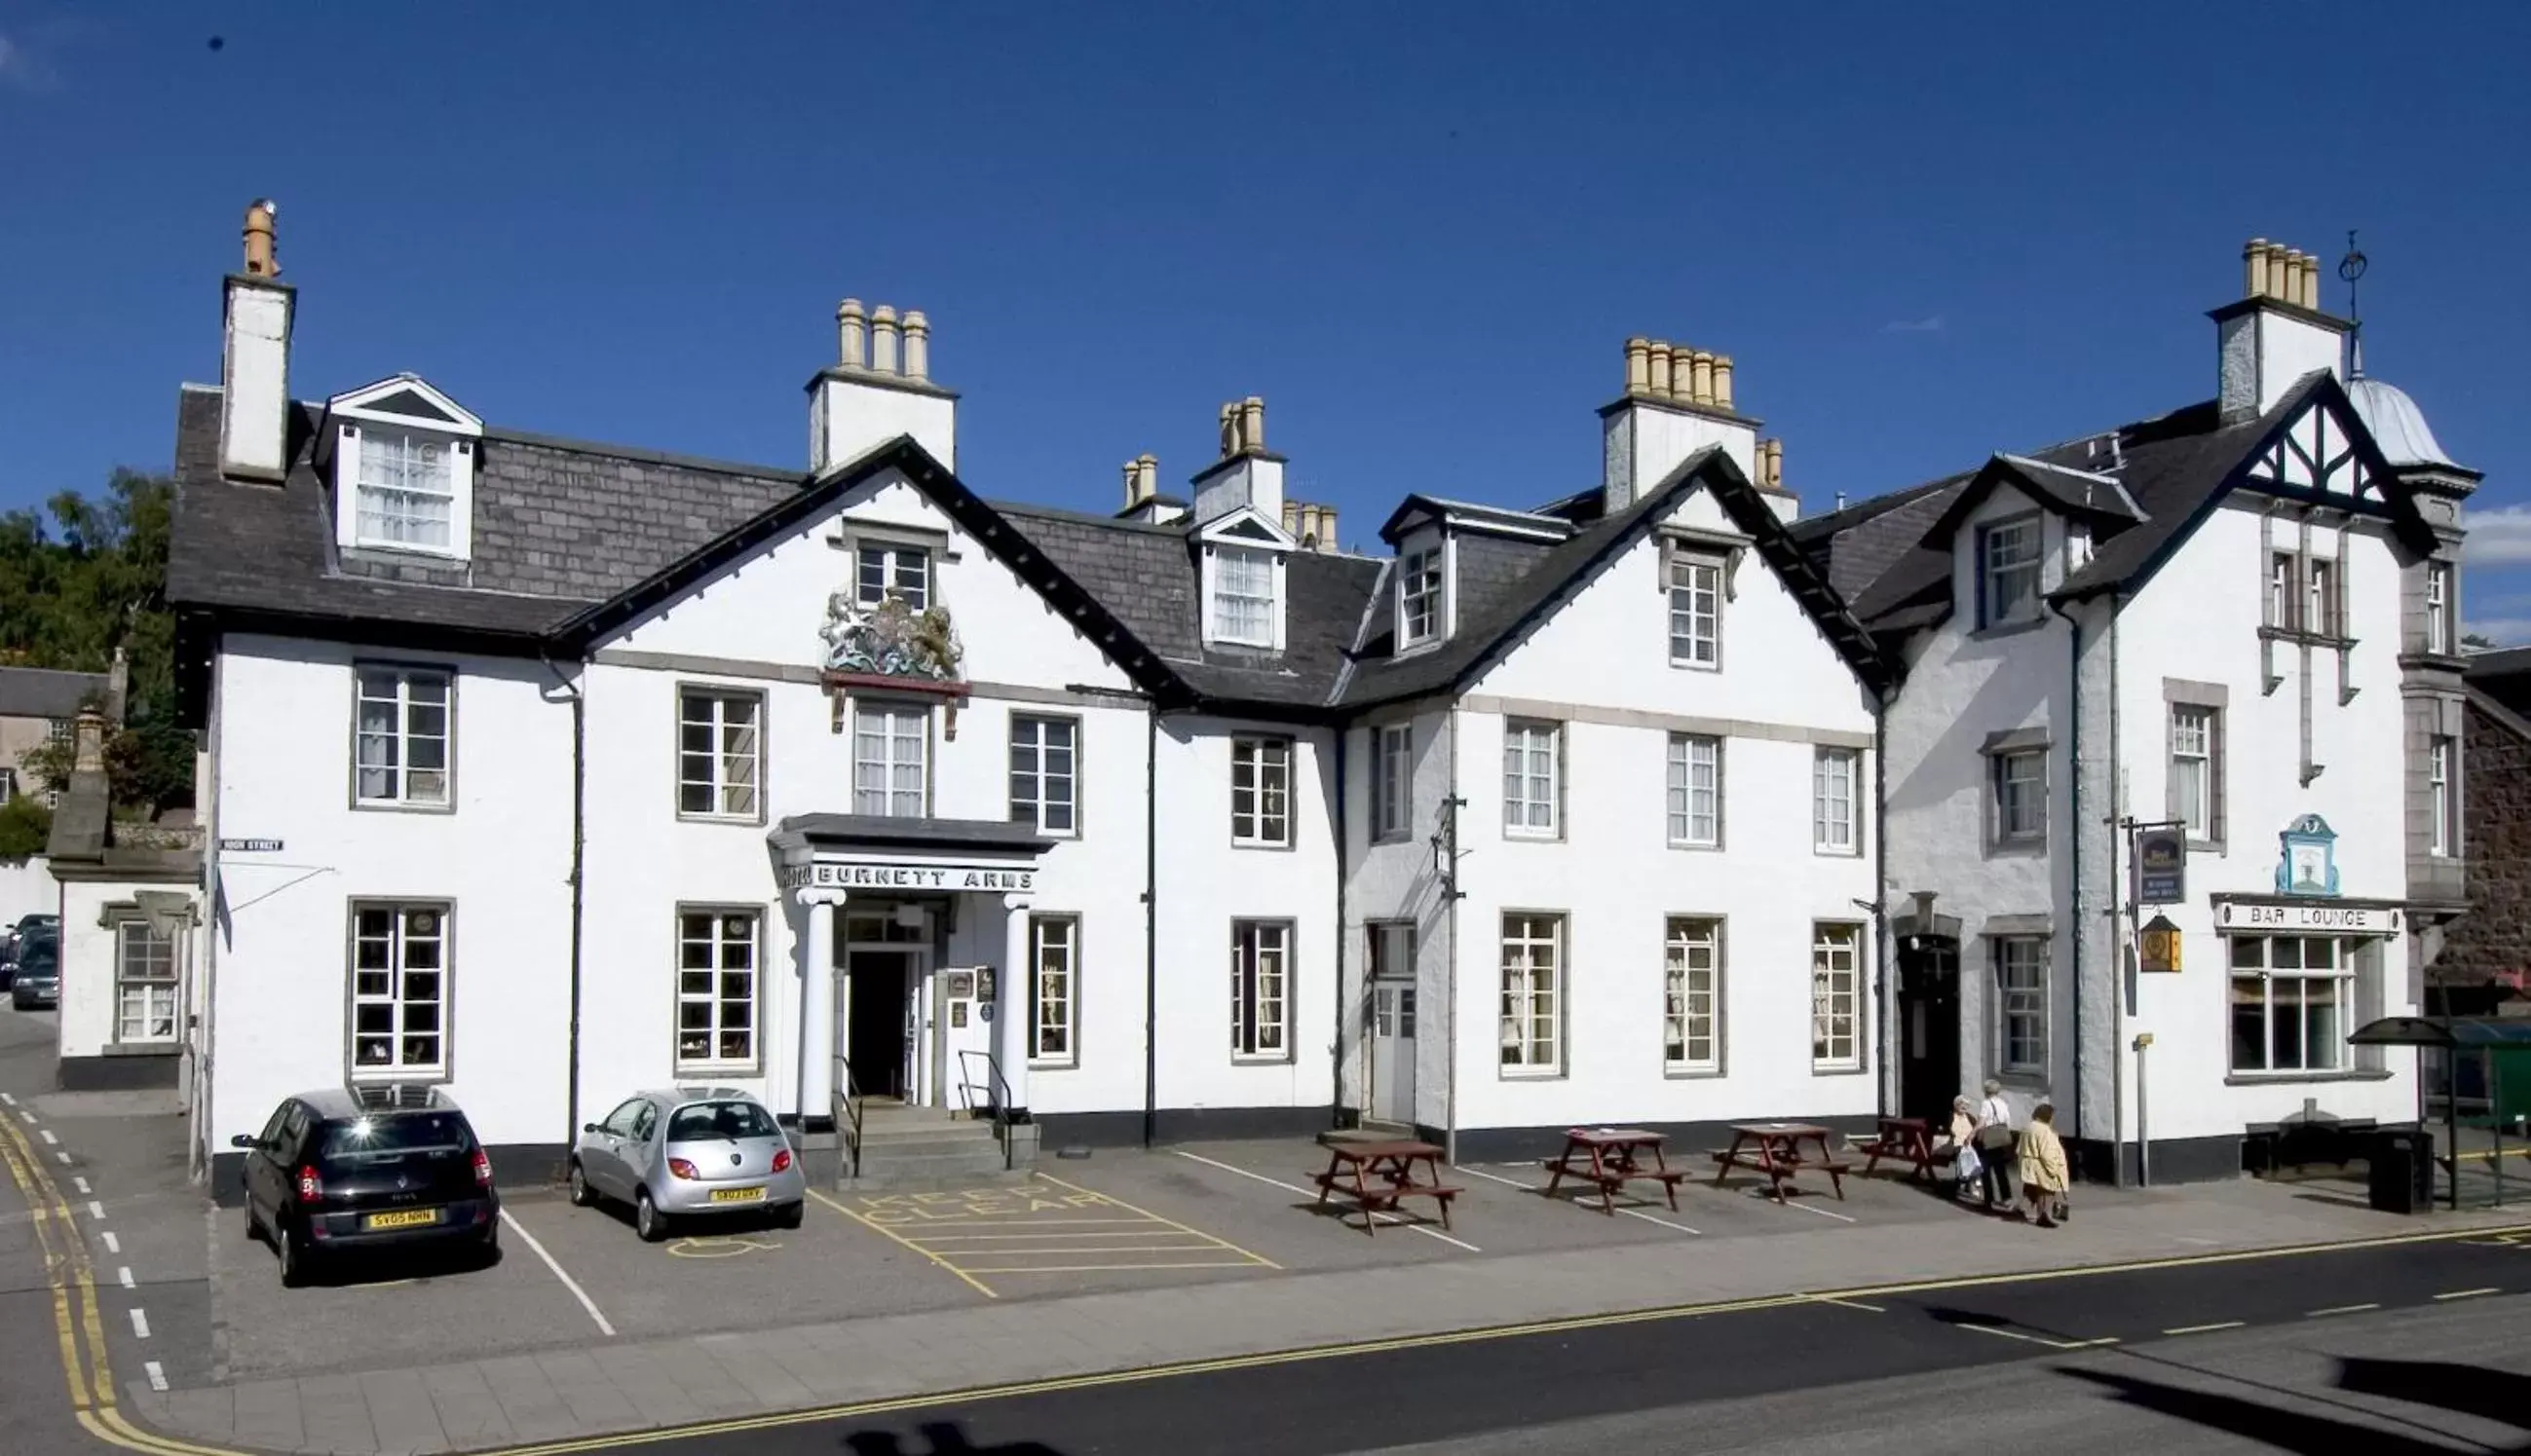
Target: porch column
[(817, 1008), (1011, 999)]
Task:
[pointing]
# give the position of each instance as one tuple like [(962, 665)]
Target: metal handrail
[(848, 1114), (992, 1086)]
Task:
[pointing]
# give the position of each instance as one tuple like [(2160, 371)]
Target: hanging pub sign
[(2161, 864), (2158, 945)]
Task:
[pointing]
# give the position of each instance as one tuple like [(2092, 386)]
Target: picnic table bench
[(1773, 1151), (1609, 1158), (1906, 1140), (1377, 1175)]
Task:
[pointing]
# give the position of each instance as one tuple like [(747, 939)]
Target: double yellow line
[(76, 1320)]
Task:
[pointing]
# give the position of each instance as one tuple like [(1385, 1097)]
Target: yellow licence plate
[(408, 1218), (738, 1194)]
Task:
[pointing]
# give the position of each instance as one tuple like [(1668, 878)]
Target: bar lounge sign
[(908, 876), (2258, 915)]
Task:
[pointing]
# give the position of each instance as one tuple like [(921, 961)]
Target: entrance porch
[(913, 970)]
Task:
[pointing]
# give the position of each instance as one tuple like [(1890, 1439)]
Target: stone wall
[(2496, 935)]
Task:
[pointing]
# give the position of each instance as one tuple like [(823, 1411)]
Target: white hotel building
[(548, 771)]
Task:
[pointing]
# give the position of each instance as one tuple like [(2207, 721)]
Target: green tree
[(2477, 641), (78, 579), (25, 826)]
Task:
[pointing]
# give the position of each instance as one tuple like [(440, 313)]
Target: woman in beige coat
[(2042, 1157)]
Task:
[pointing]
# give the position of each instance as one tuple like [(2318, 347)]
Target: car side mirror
[(248, 1140), (590, 1126)]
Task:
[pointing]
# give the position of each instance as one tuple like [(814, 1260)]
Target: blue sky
[(1421, 233)]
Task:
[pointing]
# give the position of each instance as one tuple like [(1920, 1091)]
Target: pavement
[(1120, 1262)]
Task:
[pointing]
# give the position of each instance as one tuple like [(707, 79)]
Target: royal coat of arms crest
[(891, 638)]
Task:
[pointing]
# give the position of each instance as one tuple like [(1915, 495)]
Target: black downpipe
[(1884, 944), (1152, 926), (1345, 847), (2082, 928), (579, 863)]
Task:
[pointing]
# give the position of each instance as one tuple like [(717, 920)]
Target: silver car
[(687, 1151)]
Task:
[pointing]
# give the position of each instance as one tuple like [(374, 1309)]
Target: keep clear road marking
[(1533, 1188), (970, 1280), (568, 1282), (1390, 1218)]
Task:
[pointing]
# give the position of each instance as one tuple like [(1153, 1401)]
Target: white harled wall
[(2199, 621), (282, 746), (1604, 656), (1963, 686), (1395, 880)]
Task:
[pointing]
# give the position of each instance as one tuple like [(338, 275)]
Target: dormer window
[(1418, 596), (1244, 608), (403, 458), (2008, 572), (402, 493)]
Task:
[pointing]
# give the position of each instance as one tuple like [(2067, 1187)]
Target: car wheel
[(294, 1257), (581, 1195), (790, 1217), (647, 1220)]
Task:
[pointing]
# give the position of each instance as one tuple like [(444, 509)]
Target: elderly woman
[(2040, 1155), (1961, 1139), (1994, 1144)]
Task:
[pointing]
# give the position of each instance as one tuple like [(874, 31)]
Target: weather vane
[(2350, 269)]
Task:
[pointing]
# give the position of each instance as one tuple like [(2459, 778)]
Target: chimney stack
[(879, 387), (851, 335), (2275, 333), (1678, 400), (1246, 473), (255, 358)]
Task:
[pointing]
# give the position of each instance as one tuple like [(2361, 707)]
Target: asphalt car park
[(1131, 1219)]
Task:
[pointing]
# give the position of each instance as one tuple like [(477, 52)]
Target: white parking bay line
[(49, 1140), (5, 1097), (568, 1282), (28, 1116), (82, 1184), (139, 1323), (1533, 1188), (1759, 1193), (1309, 1193), (123, 1277), (113, 1245), (157, 1374), (95, 1209), (64, 1158)]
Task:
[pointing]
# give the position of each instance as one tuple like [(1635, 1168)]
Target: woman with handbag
[(1967, 1168), (1994, 1148)]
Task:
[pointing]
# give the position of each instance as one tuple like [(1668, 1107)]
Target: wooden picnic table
[(1775, 1150), (1906, 1140), (1608, 1158), (1376, 1175)]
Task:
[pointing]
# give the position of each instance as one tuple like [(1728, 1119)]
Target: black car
[(37, 981), (15, 940), (353, 1171)]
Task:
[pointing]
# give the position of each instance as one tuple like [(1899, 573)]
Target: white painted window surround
[(720, 753), (1695, 611), (1055, 990), (144, 985), (1695, 791), (1245, 610), (1836, 996), (1392, 780), (2442, 786), (1533, 993), (2018, 783), (1418, 596), (404, 726), (2293, 1002), (882, 569), (1692, 997), (1533, 774), (718, 998), (399, 989), (1260, 1000), (2021, 1004), (2007, 563), (892, 743), (404, 491), (1261, 792), (1837, 801), (1045, 772)]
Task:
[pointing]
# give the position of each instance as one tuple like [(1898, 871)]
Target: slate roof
[(2504, 675), (1889, 556), (44, 693)]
